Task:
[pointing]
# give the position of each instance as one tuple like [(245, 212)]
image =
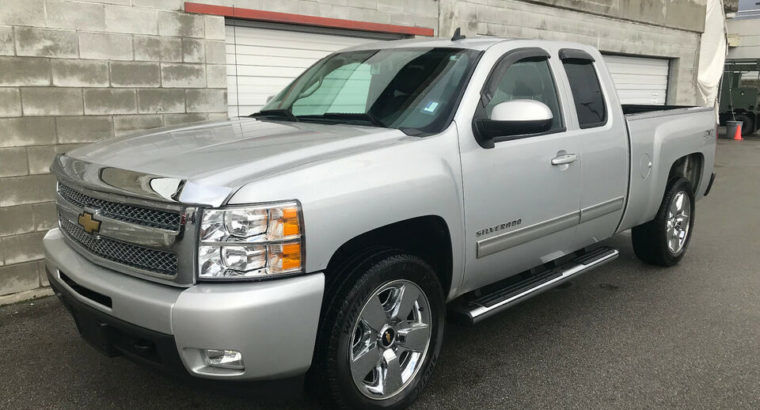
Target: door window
[(528, 79), (587, 93)]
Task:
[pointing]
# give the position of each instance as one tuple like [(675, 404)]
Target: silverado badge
[(89, 224)]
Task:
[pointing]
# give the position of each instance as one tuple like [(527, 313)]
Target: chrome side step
[(471, 311)]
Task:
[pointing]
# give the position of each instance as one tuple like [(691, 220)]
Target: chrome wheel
[(390, 339), (677, 222)]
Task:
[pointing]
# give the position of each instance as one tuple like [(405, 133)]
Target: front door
[(521, 207)]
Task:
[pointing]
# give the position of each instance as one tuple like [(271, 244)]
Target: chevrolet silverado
[(390, 185)]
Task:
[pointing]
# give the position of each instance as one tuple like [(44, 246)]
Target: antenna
[(457, 35)]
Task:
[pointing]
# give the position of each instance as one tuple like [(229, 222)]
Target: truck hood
[(222, 156)]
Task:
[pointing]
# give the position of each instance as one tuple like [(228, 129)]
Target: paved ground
[(624, 336)]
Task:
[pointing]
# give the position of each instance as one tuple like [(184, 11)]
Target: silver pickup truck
[(388, 186)]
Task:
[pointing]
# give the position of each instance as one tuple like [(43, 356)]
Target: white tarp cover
[(712, 54)]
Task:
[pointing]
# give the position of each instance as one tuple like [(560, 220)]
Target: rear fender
[(658, 141)]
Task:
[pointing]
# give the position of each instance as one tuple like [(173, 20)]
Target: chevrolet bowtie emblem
[(387, 337), (89, 224)]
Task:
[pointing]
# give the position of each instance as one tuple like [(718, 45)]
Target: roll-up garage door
[(263, 58), (639, 80)]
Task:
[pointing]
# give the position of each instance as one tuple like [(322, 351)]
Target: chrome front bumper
[(272, 323)]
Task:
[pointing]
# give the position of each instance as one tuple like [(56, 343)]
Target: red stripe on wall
[(276, 17)]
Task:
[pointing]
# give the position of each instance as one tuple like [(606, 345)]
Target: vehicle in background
[(739, 103)]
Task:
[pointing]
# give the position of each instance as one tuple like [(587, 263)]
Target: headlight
[(250, 242)]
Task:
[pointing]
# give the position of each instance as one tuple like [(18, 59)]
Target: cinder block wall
[(73, 72)]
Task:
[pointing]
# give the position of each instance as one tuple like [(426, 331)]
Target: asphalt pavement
[(626, 335)]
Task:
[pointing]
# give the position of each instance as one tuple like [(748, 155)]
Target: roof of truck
[(475, 43)]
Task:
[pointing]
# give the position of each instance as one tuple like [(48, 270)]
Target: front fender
[(352, 194)]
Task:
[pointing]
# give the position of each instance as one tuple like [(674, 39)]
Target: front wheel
[(663, 241), (380, 337)]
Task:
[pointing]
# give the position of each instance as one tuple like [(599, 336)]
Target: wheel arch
[(427, 237), (690, 167)]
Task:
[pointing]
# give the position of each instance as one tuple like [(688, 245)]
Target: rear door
[(600, 128), (520, 210)]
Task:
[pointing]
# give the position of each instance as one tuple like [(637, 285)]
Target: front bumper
[(272, 323)]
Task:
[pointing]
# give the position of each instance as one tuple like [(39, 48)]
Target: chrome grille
[(116, 219), (121, 252), (153, 218)]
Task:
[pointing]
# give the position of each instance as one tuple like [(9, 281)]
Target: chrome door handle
[(564, 159)]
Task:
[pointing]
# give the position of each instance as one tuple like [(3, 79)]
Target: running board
[(471, 311)]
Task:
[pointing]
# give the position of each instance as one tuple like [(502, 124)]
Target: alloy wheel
[(677, 222), (390, 339)]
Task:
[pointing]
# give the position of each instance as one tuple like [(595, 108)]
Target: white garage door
[(263, 59), (639, 80)]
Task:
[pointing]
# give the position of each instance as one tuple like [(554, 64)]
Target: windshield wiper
[(279, 112), (352, 116)]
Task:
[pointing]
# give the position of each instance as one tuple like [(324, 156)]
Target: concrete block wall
[(73, 72), (520, 19)]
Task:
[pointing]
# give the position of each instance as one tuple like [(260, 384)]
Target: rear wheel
[(663, 241), (381, 334)]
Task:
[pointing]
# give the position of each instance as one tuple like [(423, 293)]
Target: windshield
[(411, 89)]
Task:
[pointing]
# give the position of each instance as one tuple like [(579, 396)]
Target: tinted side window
[(589, 100), (527, 79)]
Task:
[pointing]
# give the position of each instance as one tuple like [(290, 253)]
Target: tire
[(748, 125), (655, 242), (347, 346)]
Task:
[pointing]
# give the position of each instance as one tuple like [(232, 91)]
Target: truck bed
[(658, 136)]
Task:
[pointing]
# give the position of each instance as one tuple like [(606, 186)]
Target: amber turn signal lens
[(290, 223), (291, 256), (290, 213)]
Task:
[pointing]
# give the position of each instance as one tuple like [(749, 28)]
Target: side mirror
[(516, 117)]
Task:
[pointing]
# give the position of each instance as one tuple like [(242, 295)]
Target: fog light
[(225, 359)]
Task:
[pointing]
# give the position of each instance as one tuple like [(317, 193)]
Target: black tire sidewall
[(750, 128), (340, 328)]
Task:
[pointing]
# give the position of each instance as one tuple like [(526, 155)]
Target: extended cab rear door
[(521, 210), (597, 120)]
